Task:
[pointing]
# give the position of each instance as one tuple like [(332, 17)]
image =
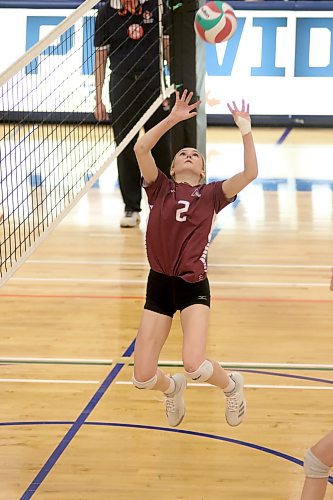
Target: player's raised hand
[(182, 109), (241, 116)]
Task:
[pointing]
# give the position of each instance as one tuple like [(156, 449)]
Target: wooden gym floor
[(72, 426)]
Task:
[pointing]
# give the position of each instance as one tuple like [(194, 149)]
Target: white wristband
[(243, 124)]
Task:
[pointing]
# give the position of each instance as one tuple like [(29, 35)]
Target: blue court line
[(288, 375), (76, 426), (216, 437), (284, 136)]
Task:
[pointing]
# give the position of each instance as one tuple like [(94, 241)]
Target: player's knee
[(315, 468), (202, 373), (145, 384)]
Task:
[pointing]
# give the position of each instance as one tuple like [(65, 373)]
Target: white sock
[(230, 387), (171, 387)]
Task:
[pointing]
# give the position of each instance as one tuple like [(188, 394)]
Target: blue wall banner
[(281, 62), (280, 58)]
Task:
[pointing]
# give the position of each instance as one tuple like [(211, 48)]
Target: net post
[(188, 72), (161, 47)]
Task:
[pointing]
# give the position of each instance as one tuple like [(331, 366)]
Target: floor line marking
[(167, 362), (288, 375), (283, 136), (252, 386), (241, 364), (146, 265), (217, 437), (189, 384), (74, 429), (141, 297), (46, 381), (143, 282), (71, 361)]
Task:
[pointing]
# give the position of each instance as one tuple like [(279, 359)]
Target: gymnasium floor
[(72, 426)]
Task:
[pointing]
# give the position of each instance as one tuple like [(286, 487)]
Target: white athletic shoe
[(174, 402), (236, 404), (130, 219)]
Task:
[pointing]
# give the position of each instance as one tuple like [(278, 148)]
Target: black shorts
[(168, 294)]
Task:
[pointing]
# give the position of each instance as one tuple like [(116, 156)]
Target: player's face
[(189, 159)]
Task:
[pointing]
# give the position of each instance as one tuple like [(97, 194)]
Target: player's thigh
[(153, 332), (194, 321)]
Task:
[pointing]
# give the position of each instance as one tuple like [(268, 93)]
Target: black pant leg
[(130, 99), (125, 114)]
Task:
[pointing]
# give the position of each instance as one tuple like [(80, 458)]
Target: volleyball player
[(182, 212), (317, 462)]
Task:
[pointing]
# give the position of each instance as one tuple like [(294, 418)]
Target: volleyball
[(215, 22)]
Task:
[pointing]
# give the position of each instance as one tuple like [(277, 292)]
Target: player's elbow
[(137, 147), (253, 175), (251, 172), (140, 148)]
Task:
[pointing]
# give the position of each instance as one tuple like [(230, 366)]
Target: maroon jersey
[(180, 226)]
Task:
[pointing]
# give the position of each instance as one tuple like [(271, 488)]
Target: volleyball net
[(52, 149)]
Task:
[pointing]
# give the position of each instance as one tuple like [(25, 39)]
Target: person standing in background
[(127, 34)]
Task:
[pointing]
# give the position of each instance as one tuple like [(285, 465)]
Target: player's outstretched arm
[(182, 110), (239, 181)]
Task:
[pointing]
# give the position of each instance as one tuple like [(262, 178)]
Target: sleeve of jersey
[(220, 200), (156, 188), (100, 36)]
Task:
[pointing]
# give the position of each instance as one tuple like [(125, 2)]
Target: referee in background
[(127, 35)]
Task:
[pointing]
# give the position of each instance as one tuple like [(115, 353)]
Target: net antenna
[(164, 50), (52, 150)]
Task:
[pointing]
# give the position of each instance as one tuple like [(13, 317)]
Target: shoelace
[(232, 402), (170, 404)]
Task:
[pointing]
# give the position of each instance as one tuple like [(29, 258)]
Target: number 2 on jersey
[(179, 213)]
